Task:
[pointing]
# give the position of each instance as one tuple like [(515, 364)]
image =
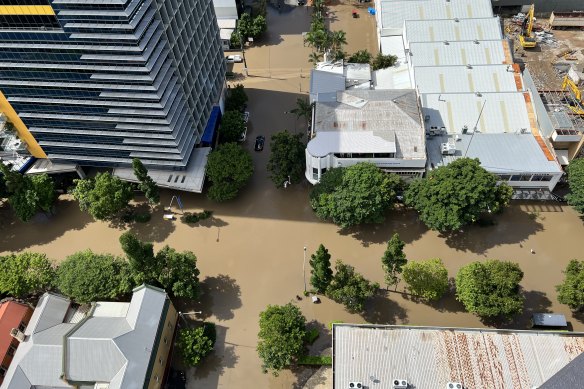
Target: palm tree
[(315, 58), (338, 39), (303, 108)]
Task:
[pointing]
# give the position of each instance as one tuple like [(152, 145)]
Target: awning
[(211, 127)]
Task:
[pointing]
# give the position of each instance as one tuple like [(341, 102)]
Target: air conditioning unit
[(454, 385), (357, 385), (448, 148), (17, 334), (400, 384)]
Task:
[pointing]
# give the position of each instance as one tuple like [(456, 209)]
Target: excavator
[(575, 104), (526, 37)]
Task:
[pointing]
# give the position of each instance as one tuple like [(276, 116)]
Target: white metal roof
[(456, 53), (394, 12), (453, 30), (327, 142), (501, 112), (463, 79), (431, 357), (398, 76)]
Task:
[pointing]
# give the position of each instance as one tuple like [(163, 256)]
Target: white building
[(383, 127), (227, 16)]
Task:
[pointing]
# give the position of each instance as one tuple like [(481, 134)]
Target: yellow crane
[(576, 105), (526, 37)]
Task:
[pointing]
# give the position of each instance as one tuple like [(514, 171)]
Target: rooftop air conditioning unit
[(454, 385), (400, 384), (17, 334), (448, 148), (357, 385)]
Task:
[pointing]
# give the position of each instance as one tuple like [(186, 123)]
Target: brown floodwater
[(251, 252)]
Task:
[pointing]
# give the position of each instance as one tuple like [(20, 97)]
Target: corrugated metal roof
[(570, 376), (394, 12), (452, 30), (457, 53), (327, 142), (502, 112), (324, 82), (432, 357), (464, 79)]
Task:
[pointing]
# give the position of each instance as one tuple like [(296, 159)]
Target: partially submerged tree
[(350, 288), (571, 290), (229, 168), (103, 196), (232, 126), (358, 194), (194, 344), (303, 109), (141, 257), (361, 56), (25, 274), (491, 288), (455, 195), (287, 158), (393, 260), (147, 184), (178, 273), (426, 279), (576, 182), (236, 98), (281, 337), (321, 273)]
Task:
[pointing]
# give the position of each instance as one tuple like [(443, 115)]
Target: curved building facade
[(99, 82)]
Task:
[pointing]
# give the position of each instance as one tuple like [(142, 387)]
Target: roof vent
[(456, 20), (448, 148), (446, 43), (476, 41), (478, 94), (356, 385), (524, 130), (400, 384), (468, 66), (464, 129), (454, 385), (17, 334)]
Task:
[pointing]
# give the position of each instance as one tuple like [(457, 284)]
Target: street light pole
[(183, 314), (242, 52), (303, 269)]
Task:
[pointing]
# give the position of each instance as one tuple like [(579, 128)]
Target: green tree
[(361, 56), (426, 279), (141, 257), (25, 274), (3, 188), (571, 290), (194, 344), (147, 184), (85, 277), (314, 58), (251, 27), (576, 182), (393, 260), (258, 26), (178, 274), (303, 109), (455, 195), (491, 288), (350, 288), (232, 126), (281, 336), (338, 40), (236, 98), (383, 61), (287, 158), (103, 196), (321, 272), (363, 195), (229, 168)]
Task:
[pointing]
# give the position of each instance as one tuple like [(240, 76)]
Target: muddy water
[(251, 252)]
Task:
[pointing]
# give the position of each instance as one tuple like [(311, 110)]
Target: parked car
[(301, 2), (243, 135), (233, 58), (245, 116), (259, 143)]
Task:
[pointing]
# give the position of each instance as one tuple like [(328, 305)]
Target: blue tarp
[(211, 127)]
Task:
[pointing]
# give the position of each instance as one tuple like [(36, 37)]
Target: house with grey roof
[(110, 345)]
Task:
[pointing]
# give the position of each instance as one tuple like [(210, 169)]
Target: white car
[(233, 58), (245, 116), (243, 135)]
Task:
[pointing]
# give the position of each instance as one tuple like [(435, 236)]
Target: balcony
[(566, 135)]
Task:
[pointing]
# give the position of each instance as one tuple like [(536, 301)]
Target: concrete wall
[(542, 5)]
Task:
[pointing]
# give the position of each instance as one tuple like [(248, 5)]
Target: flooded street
[(250, 253)]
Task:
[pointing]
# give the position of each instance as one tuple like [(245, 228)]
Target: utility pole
[(242, 53), (303, 269)]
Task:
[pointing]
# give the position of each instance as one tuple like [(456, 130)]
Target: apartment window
[(2, 371), (322, 171), (11, 350), (541, 177), (516, 178), (315, 173), (22, 326)]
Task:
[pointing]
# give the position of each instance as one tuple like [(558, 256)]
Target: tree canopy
[(361, 56), (250, 27), (86, 276), (27, 194), (178, 274), (196, 343), (281, 336), (103, 196), (381, 61), (236, 98), (321, 272), (229, 168), (287, 158), (303, 109), (571, 290), (393, 260), (3, 188), (491, 288), (232, 126), (576, 182), (147, 184), (426, 279), (455, 195), (350, 288), (25, 274), (141, 257), (354, 195)]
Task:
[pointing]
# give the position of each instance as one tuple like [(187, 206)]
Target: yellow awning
[(26, 10)]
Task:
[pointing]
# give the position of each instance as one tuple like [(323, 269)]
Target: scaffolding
[(557, 104)]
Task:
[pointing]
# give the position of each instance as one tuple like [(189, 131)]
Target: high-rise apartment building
[(99, 82)]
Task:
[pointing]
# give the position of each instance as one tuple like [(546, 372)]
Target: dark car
[(176, 380), (259, 143), (301, 2)]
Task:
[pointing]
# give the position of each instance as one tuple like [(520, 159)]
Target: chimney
[(18, 334)]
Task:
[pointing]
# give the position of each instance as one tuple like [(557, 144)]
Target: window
[(504, 177), (165, 341), (22, 326), (11, 350), (322, 171), (516, 178), (315, 173), (2, 371)]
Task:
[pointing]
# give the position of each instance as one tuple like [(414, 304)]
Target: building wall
[(164, 346), (99, 83), (7, 358)]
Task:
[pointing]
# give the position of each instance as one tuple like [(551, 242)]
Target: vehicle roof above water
[(549, 319)]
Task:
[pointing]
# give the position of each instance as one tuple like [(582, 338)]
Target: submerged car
[(259, 143)]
